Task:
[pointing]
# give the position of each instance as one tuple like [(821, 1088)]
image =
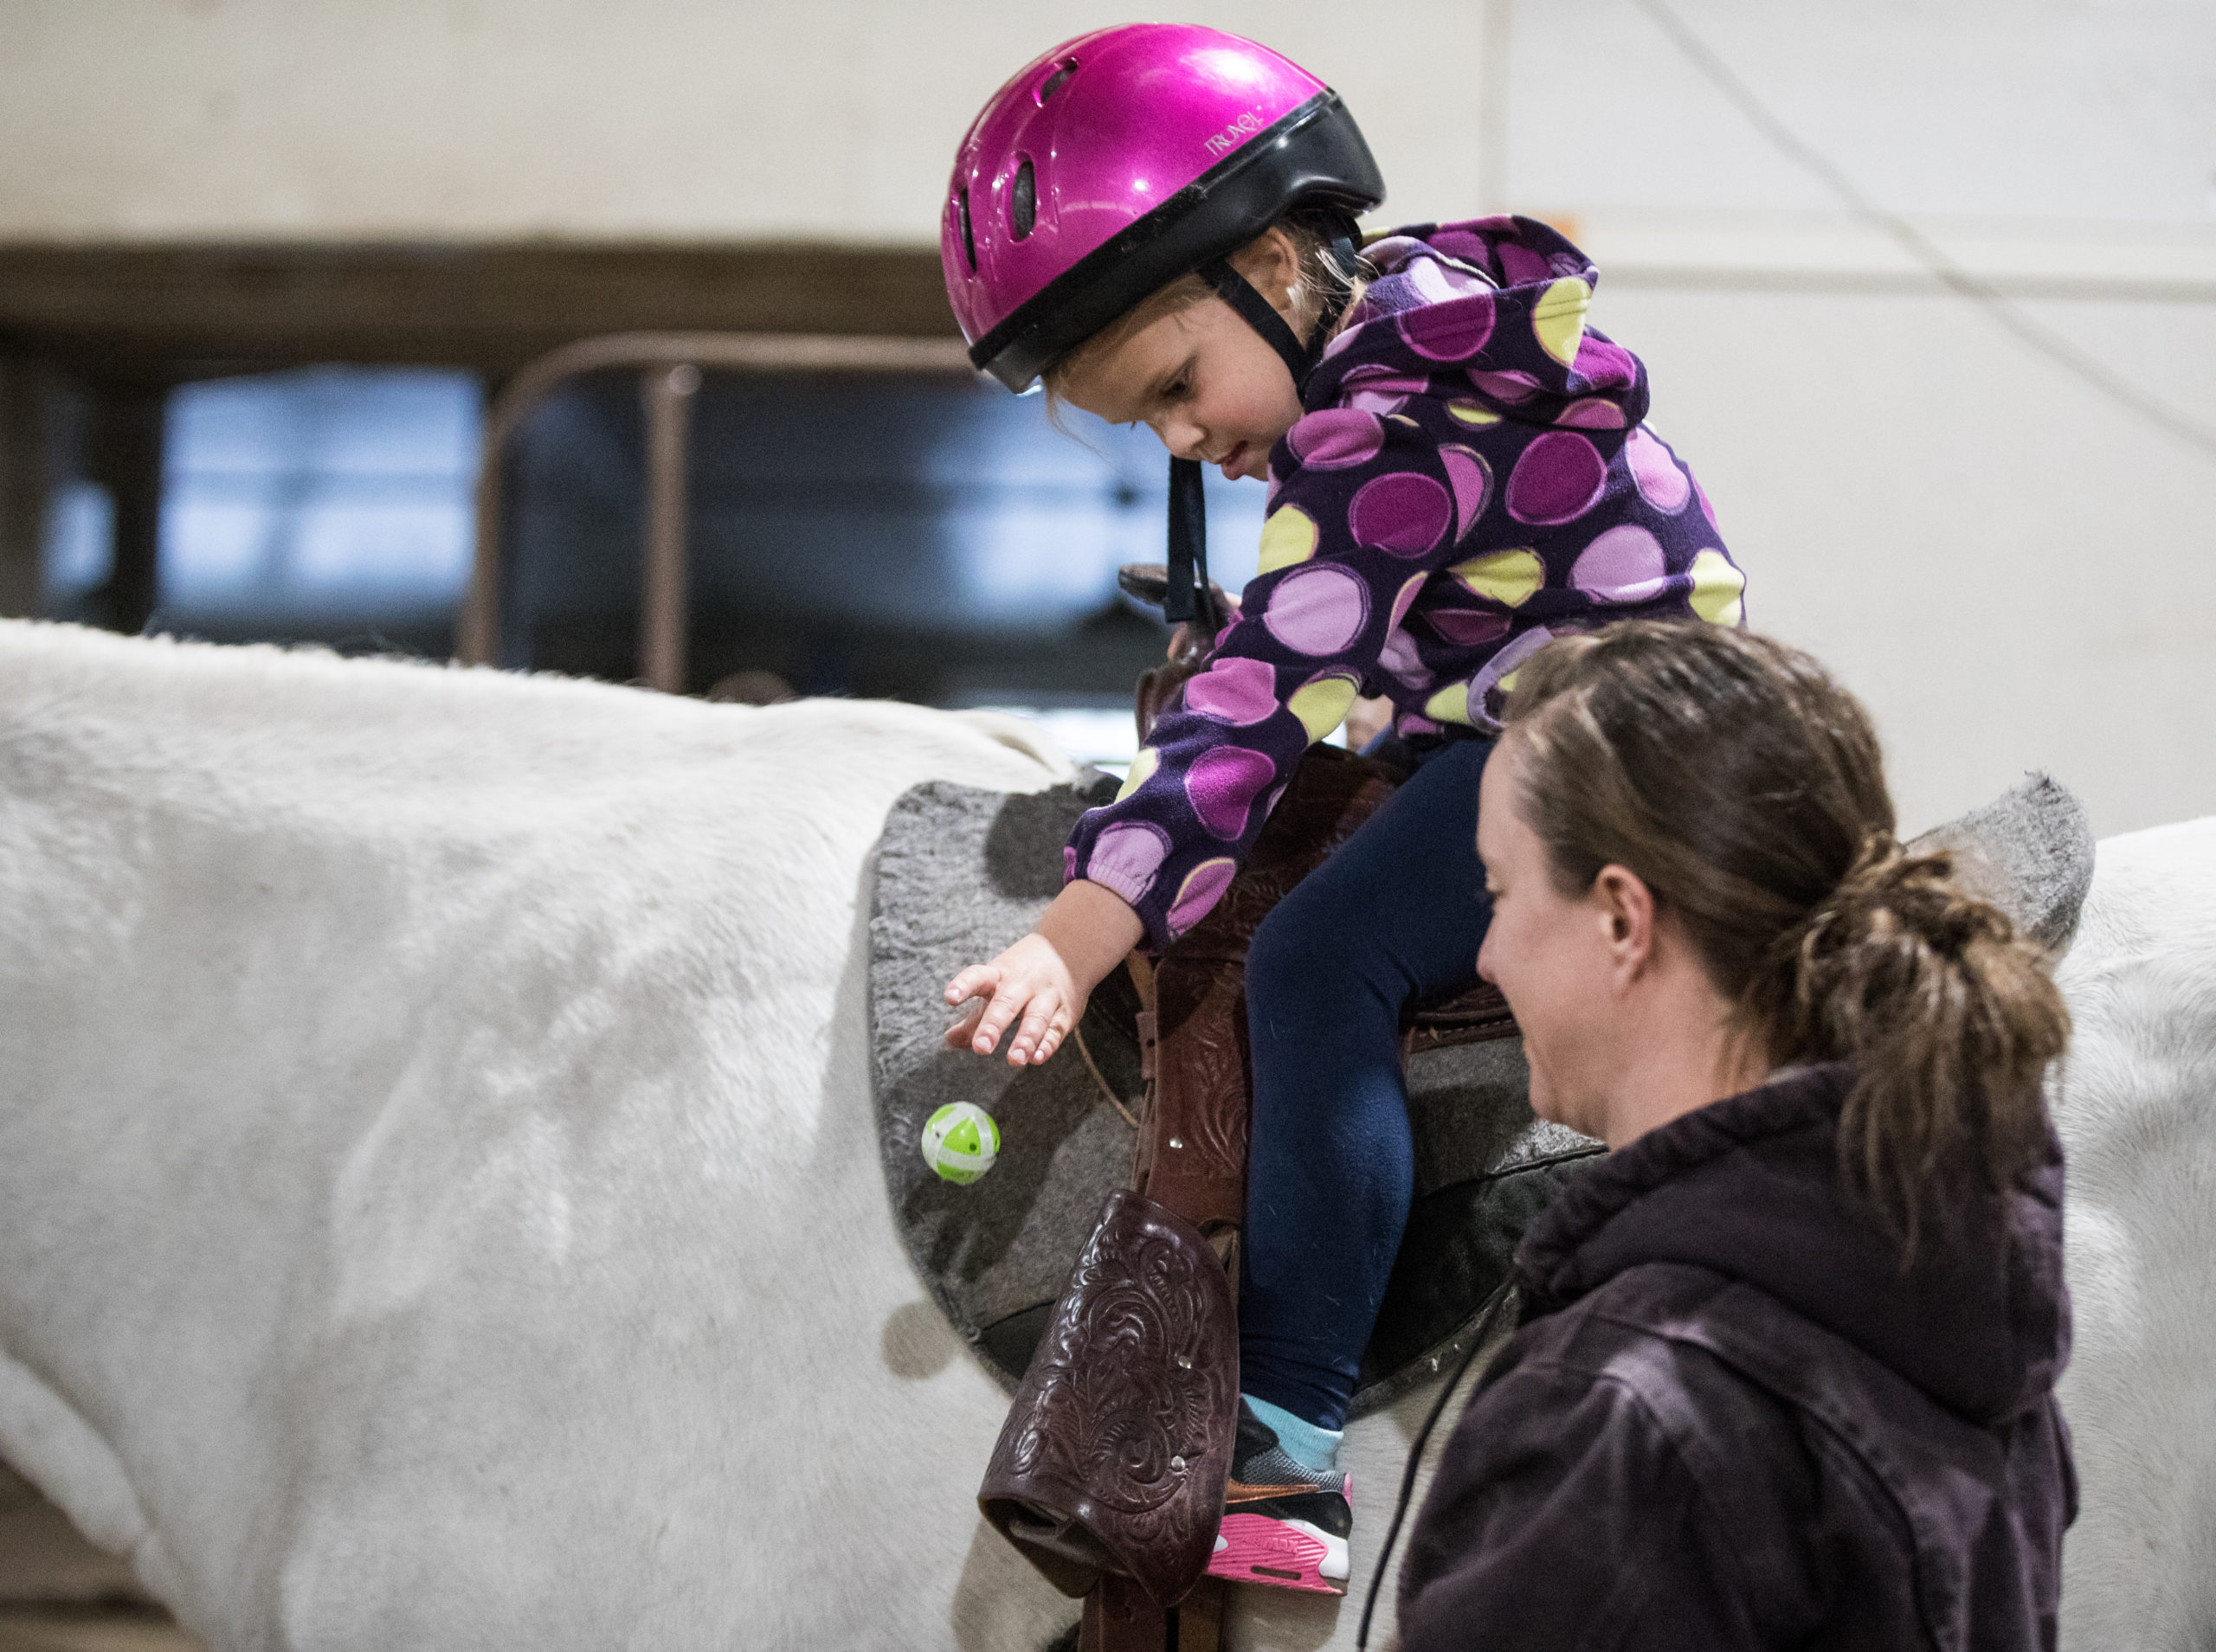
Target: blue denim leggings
[(1397, 913)]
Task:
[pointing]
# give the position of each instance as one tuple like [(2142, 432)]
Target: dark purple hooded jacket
[(1730, 1420)]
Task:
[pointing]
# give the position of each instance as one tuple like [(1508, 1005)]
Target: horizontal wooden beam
[(164, 313)]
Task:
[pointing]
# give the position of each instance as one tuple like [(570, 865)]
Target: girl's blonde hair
[(1745, 788), (1323, 276)]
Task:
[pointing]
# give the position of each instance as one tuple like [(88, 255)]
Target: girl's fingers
[(974, 982), (958, 1035), (1037, 1018), (1006, 1004)]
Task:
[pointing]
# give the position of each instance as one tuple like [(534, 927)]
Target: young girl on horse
[(1160, 220)]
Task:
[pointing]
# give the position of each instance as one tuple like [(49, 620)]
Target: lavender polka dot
[(1439, 282), (1336, 439), (1409, 722), (1467, 628), (1510, 388), (1623, 565), (1452, 331), (1069, 862), (1222, 785), (1706, 509), (1202, 888), (1234, 689), (1399, 656), (1660, 481), (1318, 609), (1593, 412), (1404, 514), (1377, 388), (1471, 478), (1558, 479), (1126, 856)]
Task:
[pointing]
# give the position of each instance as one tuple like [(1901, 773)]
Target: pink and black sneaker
[(1284, 1525)]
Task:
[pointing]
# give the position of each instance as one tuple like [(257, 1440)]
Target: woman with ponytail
[(1785, 1372)]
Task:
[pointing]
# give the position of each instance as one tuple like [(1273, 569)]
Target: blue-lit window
[(328, 494)]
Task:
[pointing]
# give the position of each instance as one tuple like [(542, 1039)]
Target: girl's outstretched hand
[(1041, 984)]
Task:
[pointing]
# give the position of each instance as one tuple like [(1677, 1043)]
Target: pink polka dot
[(1335, 438), (1460, 243), (1222, 784), (1471, 478), (1233, 690), (1405, 514), (1604, 365), (1318, 609), (1595, 413), (1069, 862), (1203, 888), (1558, 479), (1511, 388), (1706, 509), (1448, 332), (1467, 627), (1661, 483), (1406, 598), (1521, 266), (1623, 565), (1126, 857), (1409, 722)]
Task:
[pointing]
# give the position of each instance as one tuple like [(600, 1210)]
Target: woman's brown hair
[(1745, 788)]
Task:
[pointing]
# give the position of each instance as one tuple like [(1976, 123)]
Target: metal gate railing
[(669, 367)]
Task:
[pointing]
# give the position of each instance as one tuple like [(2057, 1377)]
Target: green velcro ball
[(961, 1142)]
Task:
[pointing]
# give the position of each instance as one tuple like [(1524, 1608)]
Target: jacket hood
[(1750, 1187), (1496, 305)]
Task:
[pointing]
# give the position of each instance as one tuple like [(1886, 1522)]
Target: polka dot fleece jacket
[(1471, 478)]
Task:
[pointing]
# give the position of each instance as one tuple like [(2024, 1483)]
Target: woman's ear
[(1624, 908)]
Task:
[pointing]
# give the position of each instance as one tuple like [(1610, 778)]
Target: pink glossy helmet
[(1119, 161)]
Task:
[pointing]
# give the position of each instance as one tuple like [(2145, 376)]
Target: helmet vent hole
[(968, 239), (1023, 201), (1063, 70)]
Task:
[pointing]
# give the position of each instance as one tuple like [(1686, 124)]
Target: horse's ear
[(2029, 852)]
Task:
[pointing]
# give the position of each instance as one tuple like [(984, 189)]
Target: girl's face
[(1201, 380)]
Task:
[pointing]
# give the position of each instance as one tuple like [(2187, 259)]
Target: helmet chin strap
[(1188, 597)]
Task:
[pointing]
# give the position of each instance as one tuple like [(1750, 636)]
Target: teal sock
[(1314, 1449)]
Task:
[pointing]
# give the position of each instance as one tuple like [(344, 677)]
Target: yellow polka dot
[(1473, 413), (1508, 682), (1558, 317), (1450, 704), (1141, 768), (1506, 576), (1717, 587), (1321, 706), (1288, 537)]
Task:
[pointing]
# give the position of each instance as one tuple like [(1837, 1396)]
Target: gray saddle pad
[(962, 873)]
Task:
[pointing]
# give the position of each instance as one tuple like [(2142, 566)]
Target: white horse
[(438, 1202)]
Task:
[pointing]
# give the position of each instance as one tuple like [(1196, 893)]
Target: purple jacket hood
[(1504, 300), (1750, 1187)]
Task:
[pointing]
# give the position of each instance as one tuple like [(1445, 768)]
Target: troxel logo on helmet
[(1247, 126)]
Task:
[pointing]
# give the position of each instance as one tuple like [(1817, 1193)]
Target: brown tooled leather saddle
[(1110, 1473)]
